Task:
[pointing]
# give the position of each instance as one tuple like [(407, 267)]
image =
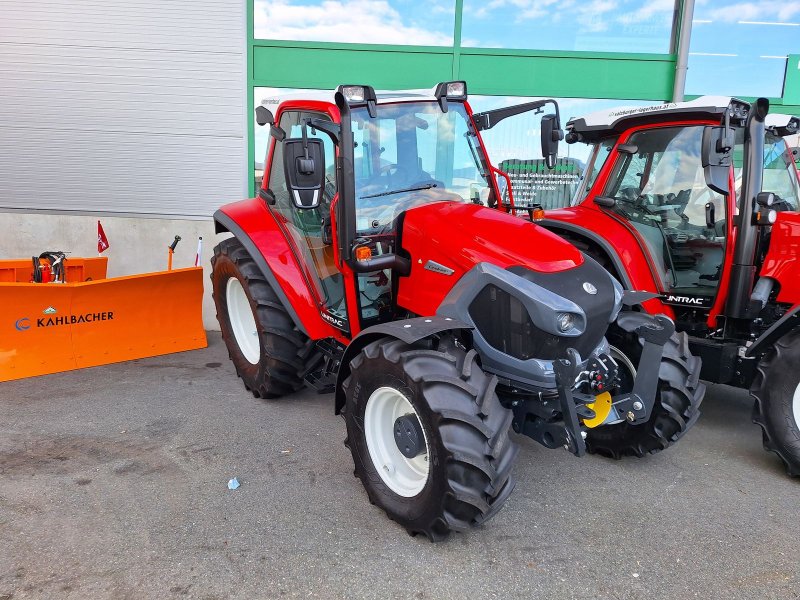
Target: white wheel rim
[(404, 476), (242, 321), (796, 406)]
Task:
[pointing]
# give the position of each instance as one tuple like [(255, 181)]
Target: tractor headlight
[(566, 321)]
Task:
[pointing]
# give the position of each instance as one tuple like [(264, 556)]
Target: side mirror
[(551, 135), (304, 168), (264, 116), (716, 157)]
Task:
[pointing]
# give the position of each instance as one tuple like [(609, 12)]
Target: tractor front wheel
[(677, 404), (776, 391), (429, 437), (263, 343)]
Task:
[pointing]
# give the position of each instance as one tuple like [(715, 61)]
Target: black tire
[(470, 453), (282, 347), (677, 405), (774, 388)]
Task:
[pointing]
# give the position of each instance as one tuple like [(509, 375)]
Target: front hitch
[(637, 405), (583, 400)]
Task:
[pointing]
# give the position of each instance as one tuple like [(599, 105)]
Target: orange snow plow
[(53, 327)]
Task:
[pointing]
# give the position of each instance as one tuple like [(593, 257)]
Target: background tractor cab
[(378, 262), (697, 202)]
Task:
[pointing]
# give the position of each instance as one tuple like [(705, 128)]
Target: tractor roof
[(384, 97), (602, 124)]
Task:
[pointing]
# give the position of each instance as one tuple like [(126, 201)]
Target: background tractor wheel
[(677, 405), (776, 391), (263, 343), (429, 438)]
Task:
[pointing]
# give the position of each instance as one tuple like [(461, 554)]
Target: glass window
[(741, 49), (356, 21), (660, 189), (271, 97), (780, 173), (600, 153), (514, 147), (412, 153), (620, 26), (304, 226)]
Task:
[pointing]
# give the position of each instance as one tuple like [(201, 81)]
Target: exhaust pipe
[(743, 270)]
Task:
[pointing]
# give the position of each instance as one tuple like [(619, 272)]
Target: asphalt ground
[(113, 484)]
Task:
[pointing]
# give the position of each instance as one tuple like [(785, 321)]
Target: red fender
[(254, 225), (781, 262)]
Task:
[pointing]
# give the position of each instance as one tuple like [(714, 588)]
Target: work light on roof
[(358, 95), (450, 90), (354, 93), (456, 89)]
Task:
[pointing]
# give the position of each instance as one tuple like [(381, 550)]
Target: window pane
[(743, 51), (270, 97), (356, 21), (622, 26), (514, 146)]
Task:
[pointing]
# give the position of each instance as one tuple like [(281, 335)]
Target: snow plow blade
[(49, 328)]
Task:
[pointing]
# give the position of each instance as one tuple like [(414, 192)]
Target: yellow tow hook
[(601, 407)]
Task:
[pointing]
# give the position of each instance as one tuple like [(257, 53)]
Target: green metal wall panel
[(325, 68), (791, 85), (568, 76)]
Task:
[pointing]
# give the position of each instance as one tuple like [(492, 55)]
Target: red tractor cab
[(697, 203), (377, 263)]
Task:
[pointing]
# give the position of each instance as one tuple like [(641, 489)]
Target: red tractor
[(697, 203), (377, 263)]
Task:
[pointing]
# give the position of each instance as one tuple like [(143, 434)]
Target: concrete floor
[(113, 485)]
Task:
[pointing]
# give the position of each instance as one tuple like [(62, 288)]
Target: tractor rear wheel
[(776, 390), (677, 404), (429, 437), (263, 343)]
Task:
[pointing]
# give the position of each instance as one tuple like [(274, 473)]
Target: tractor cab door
[(308, 229), (658, 186)]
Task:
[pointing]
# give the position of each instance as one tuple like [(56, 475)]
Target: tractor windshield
[(412, 153), (660, 188)]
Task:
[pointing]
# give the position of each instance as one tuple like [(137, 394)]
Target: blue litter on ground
[(233, 484)]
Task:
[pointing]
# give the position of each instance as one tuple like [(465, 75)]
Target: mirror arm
[(490, 118)]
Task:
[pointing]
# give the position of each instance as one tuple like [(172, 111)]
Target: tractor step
[(322, 384)]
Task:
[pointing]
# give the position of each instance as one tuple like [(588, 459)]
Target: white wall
[(120, 108)]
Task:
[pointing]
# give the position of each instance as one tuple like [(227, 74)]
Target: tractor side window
[(304, 227), (780, 175)]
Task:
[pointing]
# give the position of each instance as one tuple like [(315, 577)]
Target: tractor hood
[(445, 240)]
